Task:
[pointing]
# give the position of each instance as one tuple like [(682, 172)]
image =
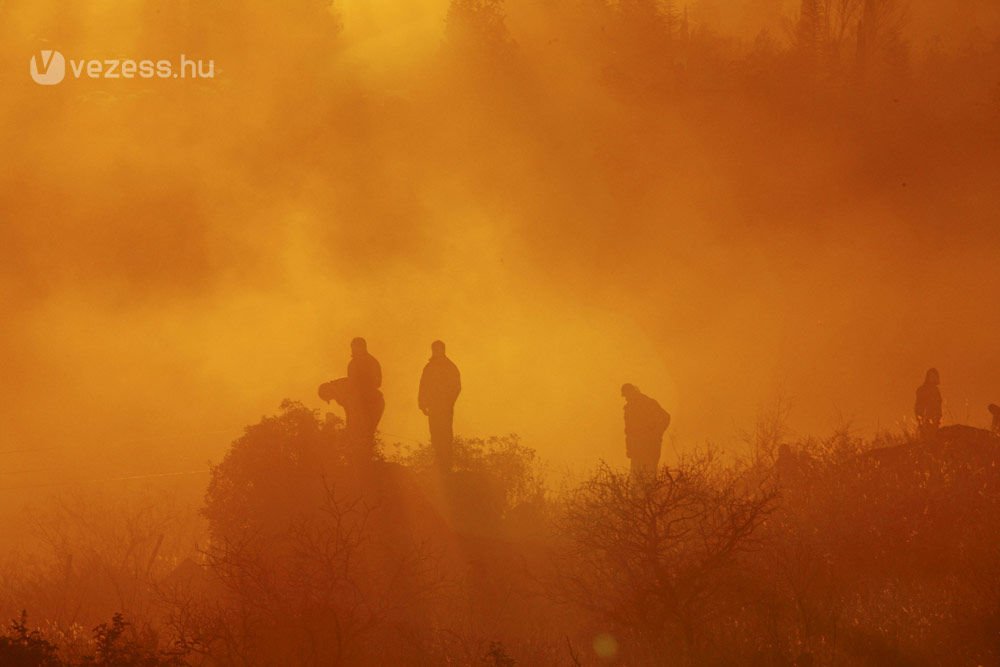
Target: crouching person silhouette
[(363, 411)]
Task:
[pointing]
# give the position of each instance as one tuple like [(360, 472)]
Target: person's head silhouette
[(358, 346), (437, 348), (932, 377), (629, 391)]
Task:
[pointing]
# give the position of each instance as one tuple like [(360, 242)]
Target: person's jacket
[(928, 404), (365, 371), (440, 384), (645, 422)]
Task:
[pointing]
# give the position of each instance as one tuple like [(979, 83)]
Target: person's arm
[(377, 374)]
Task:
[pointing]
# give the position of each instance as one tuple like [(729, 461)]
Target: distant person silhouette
[(645, 424), (995, 411), (440, 385), (927, 408)]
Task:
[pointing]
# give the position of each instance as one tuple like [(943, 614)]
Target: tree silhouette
[(21, 647), (649, 560)]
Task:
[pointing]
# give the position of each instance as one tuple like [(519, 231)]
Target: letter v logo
[(49, 69)]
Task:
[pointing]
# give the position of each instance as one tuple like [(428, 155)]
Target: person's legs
[(644, 466), (370, 414), (360, 439), (442, 436), (636, 469)]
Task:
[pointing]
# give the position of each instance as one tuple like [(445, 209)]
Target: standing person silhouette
[(927, 407), (440, 385), (645, 424), (365, 376)]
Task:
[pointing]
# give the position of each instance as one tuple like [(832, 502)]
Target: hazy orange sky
[(177, 258)]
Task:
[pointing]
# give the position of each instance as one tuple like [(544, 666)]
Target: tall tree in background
[(643, 45), (842, 21), (880, 37), (825, 27), (813, 30)]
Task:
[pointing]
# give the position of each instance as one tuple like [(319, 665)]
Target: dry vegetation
[(820, 552)]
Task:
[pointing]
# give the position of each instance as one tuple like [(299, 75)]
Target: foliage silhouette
[(21, 647)]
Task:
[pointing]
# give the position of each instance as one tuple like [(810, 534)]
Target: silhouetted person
[(645, 423), (927, 408), (440, 385), (365, 375), (362, 415), (995, 411)]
